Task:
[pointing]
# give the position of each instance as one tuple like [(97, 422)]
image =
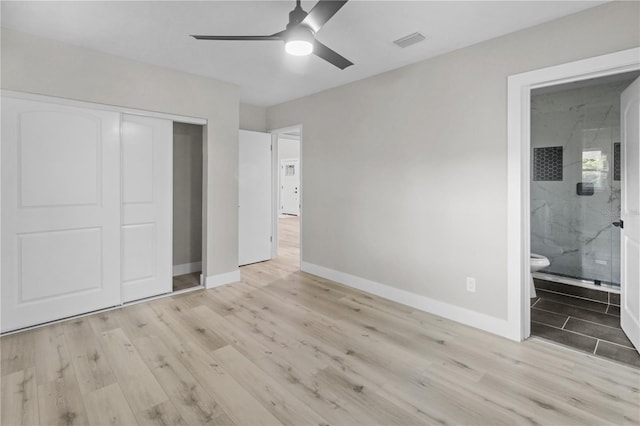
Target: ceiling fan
[(299, 35)]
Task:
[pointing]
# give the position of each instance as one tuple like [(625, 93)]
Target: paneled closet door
[(147, 154), (60, 211)]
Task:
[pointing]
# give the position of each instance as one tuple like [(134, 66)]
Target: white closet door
[(60, 211), (254, 220), (147, 153)]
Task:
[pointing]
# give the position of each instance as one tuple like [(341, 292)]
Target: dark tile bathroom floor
[(583, 319)]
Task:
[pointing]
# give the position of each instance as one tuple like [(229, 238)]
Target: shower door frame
[(519, 168)]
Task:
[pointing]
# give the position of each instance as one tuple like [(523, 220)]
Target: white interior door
[(254, 220), (630, 213), (147, 153), (60, 211), (290, 187)]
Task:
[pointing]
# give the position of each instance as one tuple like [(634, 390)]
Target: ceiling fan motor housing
[(296, 16)]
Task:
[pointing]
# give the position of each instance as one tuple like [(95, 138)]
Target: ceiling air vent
[(409, 40)]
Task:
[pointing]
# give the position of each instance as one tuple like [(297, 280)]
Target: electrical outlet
[(471, 284), (601, 262)]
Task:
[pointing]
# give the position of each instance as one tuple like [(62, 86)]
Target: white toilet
[(537, 262)]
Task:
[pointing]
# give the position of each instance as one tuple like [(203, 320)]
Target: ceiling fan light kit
[(300, 34), (299, 41)]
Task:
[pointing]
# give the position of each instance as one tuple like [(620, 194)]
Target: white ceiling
[(157, 32)]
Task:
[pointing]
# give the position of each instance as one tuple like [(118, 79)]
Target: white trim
[(455, 313), (187, 268), (518, 168), (222, 279), (103, 107), (275, 191), (289, 129), (205, 202)]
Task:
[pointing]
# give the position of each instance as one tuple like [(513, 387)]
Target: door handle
[(619, 224)]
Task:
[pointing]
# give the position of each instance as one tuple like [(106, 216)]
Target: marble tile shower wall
[(575, 231)]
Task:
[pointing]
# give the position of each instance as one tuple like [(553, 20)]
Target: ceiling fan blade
[(321, 13), (276, 36), (330, 56)]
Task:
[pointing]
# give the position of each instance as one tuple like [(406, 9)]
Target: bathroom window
[(595, 168)]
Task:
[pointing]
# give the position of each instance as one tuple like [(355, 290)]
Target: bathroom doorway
[(575, 192), (519, 87)]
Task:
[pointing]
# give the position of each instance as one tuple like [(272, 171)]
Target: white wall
[(36, 65), (288, 149), (253, 118), (405, 173), (187, 193)]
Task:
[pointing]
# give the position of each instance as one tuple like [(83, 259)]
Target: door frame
[(275, 135), (519, 166)]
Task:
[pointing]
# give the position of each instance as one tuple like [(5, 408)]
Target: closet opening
[(188, 156)]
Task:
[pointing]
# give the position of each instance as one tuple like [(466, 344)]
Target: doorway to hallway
[(287, 149), (289, 240)]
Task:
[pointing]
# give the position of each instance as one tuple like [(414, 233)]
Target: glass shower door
[(601, 258), (575, 188)]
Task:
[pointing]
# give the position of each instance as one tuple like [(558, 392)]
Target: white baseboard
[(455, 313), (187, 268), (222, 279)]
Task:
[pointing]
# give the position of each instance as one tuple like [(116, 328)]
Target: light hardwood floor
[(285, 347)]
